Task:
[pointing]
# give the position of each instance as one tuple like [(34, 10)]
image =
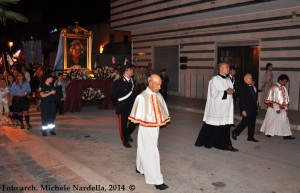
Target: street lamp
[(10, 44), (101, 49)]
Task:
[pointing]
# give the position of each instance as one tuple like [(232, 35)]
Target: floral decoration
[(92, 94), (104, 73), (78, 74)]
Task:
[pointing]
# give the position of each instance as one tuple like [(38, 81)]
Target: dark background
[(45, 16)]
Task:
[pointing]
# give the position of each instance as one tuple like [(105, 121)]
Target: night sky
[(45, 15)]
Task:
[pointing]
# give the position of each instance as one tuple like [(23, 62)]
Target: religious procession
[(155, 97)]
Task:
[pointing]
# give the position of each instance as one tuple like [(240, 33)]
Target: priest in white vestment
[(218, 114), (276, 121), (150, 112)]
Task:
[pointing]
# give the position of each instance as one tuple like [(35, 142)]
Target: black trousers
[(60, 107), (125, 128), (249, 122), (48, 113), (164, 93)]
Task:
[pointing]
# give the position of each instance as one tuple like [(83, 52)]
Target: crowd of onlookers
[(33, 76), (19, 88)]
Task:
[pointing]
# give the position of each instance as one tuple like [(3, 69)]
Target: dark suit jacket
[(121, 88), (248, 101)]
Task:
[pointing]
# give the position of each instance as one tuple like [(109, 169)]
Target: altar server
[(276, 121), (150, 112), (218, 114)]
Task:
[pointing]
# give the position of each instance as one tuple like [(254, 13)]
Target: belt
[(125, 97)]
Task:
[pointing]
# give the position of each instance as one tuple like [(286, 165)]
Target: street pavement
[(87, 155)]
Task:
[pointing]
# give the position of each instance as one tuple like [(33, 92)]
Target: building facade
[(103, 35), (189, 37)]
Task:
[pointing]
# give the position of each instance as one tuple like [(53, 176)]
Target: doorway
[(244, 58), (167, 57)]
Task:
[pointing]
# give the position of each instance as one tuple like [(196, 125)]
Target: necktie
[(252, 91)]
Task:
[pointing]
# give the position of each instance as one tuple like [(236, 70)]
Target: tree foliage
[(6, 14)]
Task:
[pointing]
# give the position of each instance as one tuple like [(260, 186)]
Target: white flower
[(92, 94), (104, 73), (78, 74)]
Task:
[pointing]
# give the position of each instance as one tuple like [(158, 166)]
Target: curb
[(237, 117)]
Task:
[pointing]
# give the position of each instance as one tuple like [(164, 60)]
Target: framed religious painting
[(77, 45)]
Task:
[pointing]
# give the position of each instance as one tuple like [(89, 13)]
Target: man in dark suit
[(248, 108), (164, 85), (231, 75), (123, 96)]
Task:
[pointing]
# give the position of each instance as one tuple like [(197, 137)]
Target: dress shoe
[(127, 145), (161, 186), (44, 132), (130, 139), (208, 147), (233, 135), (254, 140), (288, 137), (52, 133), (230, 148), (269, 136)]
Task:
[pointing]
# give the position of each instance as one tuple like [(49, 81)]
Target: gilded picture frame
[(77, 45)]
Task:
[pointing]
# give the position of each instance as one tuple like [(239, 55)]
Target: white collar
[(150, 91), (128, 79)]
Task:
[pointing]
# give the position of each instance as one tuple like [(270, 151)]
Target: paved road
[(87, 152)]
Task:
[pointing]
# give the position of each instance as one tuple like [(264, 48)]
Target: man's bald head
[(154, 83), (248, 79), (223, 68)]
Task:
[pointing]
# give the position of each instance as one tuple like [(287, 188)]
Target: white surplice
[(218, 110), (150, 111), (144, 112), (277, 123)]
